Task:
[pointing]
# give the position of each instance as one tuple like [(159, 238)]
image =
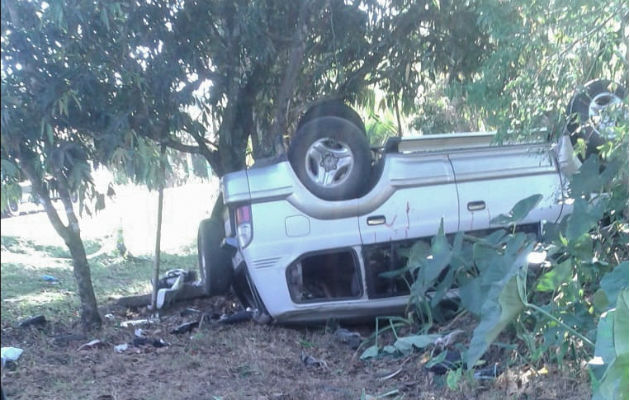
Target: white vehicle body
[(290, 244)]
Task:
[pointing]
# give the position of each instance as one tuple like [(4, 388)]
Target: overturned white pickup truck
[(308, 238)]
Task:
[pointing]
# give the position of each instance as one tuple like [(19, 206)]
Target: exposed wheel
[(331, 157), (215, 262), (332, 108), (14, 207), (594, 113)]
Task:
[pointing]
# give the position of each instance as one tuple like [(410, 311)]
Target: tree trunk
[(90, 318), (397, 108), (272, 142), (71, 235), (158, 237), (238, 124)]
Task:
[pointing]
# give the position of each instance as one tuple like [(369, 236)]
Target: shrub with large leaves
[(609, 366)]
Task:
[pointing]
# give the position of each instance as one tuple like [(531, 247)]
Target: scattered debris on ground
[(311, 361), (137, 357), (10, 354), (92, 344), (37, 321), (185, 327), (352, 339), (50, 279), (132, 323)]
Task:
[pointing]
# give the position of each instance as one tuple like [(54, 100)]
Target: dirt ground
[(239, 361)]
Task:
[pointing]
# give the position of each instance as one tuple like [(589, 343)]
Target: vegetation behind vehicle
[(573, 306)]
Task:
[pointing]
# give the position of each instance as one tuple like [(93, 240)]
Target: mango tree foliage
[(207, 77), (86, 82)]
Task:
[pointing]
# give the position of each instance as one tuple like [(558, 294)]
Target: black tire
[(332, 108), (215, 262), (581, 123), (13, 207), (339, 142)]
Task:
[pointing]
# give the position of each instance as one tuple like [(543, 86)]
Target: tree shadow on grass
[(25, 293), (123, 278), (20, 245), (20, 280)]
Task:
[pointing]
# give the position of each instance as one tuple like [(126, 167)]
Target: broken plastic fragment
[(121, 348), (137, 322), (185, 327), (311, 361), (91, 344), (10, 354)]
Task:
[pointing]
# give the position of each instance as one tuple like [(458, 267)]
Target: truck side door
[(422, 192), (491, 181)]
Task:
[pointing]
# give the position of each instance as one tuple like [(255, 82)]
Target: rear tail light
[(244, 231)]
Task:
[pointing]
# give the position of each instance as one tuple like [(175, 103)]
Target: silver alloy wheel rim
[(328, 162), (599, 113)]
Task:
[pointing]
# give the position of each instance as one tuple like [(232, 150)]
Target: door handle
[(376, 220), (476, 205)]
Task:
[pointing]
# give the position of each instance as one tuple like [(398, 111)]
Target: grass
[(21, 245), (24, 292), (31, 248)]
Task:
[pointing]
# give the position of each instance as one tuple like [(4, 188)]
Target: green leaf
[(440, 257), (393, 274), (389, 349), (405, 344), (614, 385), (453, 378), (604, 345), (611, 284), (495, 237), (458, 242), (610, 364), (484, 256), (8, 169), (552, 280), (600, 300), (519, 211), (501, 300), (443, 287), (496, 315), (515, 244), (621, 324), (49, 133), (437, 359), (418, 254), (461, 257), (582, 248), (587, 180), (370, 352), (73, 95), (470, 296), (580, 221), (105, 17), (10, 191)]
